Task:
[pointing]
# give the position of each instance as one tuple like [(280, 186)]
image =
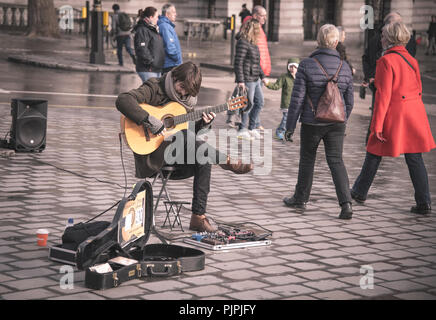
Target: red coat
[(399, 112), (265, 59)]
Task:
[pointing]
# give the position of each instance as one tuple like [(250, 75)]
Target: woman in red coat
[(400, 124)]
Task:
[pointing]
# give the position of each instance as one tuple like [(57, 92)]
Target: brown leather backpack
[(330, 105)]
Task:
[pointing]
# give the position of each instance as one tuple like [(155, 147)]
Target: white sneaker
[(244, 134), (255, 134)]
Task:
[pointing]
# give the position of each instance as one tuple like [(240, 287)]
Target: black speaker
[(29, 125)]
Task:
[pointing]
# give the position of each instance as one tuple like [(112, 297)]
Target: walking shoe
[(238, 168), (255, 134), (356, 197), (279, 136), (244, 134), (424, 208), (293, 203), (200, 223), (346, 211)]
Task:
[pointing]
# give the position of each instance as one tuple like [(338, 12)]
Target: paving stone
[(35, 294), (163, 285), (403, 285), (240, 274), (325, 285), (246, 285), (29, 283), (291, 290), (123, 291), (204, 291), (316, 275), (415, 296), (257, 294), (336, 295)]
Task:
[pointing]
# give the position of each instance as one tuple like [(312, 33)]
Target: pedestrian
[(121, 30), (342, 49), (244, 13), (259, 14), (173, 51), (182, 85), (149, 47), (286, 83), (431, 36), (373, 52), (400, 124), (309, 86), (249, 76)]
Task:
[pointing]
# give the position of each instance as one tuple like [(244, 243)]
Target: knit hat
[(293, 62)]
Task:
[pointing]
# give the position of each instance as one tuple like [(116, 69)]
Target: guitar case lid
[(129, 228)]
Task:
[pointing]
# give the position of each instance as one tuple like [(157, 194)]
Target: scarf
[(148, 21), (188, 102)]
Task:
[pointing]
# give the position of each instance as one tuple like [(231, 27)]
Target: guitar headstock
[(238, 102)]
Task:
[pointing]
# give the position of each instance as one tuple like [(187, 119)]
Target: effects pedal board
[(230, 237)]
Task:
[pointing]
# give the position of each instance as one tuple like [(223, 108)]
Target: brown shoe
[(200, 223), (238, 168)]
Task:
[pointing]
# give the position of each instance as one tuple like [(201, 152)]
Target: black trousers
[(333, 138), (198, 166), (417, 172)]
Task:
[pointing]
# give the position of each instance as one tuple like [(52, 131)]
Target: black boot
[(356, 197), (293, 203), (346, 212), (421, 208)]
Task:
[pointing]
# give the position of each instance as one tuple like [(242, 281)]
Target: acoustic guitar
[(174, 117)]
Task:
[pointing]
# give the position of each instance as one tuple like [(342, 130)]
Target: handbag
[(330, 105)]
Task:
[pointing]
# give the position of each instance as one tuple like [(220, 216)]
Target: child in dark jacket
[(286, 83)]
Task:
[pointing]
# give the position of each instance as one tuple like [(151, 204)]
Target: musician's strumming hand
[(207, 118)]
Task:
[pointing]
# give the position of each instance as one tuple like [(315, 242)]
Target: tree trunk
[(42, 20)]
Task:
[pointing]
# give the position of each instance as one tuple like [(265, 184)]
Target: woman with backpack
[(149, 47), (400, 123), (309, 86)]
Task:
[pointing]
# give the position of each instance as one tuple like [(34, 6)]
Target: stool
[(174, 207), (164, 173)]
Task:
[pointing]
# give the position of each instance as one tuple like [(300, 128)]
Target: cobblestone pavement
[(313, 255)]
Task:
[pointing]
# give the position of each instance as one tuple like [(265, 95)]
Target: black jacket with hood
[(149, 48)]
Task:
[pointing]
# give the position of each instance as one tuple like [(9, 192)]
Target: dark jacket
[(374, 51), (151, 92), (310, 80), (247, 62), (431, 30), (149, 48)]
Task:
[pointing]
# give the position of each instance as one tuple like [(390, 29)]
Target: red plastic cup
[(42, 236)]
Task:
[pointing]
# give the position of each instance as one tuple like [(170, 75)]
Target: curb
[(43, 62)]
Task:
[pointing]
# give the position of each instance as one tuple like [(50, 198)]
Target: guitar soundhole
[(168, 121)]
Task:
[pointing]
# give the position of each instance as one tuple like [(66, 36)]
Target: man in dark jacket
[(431, 36), (149, 48), (374, 51), (181, 85), (310, 84)]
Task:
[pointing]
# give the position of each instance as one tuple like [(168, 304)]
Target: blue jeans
[(282, 126), (417, 172), (255, 98), (333, 137), (147, 75), (126, 42)]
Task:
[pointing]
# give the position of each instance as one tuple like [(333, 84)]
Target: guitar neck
[(198, 114)]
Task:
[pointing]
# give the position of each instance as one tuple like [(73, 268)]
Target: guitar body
[(135, 135)]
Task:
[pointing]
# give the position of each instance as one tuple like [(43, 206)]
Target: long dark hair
[(148, 12)]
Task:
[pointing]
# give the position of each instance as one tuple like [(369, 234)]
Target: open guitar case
[(119, 253)]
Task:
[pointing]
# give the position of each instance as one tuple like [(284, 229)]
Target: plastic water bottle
[(70, 222)]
